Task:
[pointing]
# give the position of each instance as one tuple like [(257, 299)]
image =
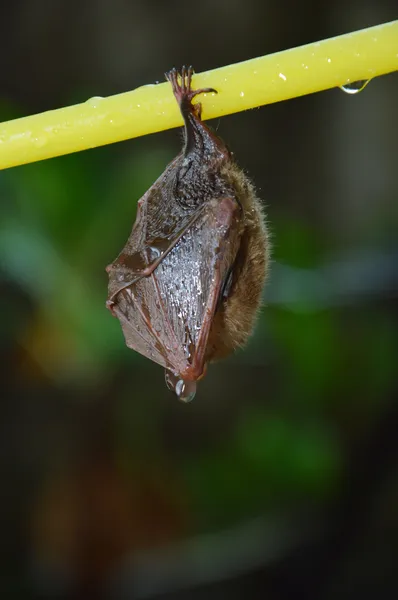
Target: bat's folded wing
[(167, 315)]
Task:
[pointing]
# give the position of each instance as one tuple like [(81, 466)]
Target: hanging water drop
[(355, 86), (184, 390), (171, 380)]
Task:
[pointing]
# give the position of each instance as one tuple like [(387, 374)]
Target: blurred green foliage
[(65, 219), (99, 463), (62, 224), (270, 429)]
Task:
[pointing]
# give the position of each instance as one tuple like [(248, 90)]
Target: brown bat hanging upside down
[(187, 286)]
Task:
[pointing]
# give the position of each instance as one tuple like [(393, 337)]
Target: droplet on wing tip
[(184, 390)]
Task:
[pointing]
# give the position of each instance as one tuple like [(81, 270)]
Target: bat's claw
[(181, 85)]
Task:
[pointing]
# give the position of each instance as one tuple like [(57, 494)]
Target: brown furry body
[(235, 319), (188, 284)]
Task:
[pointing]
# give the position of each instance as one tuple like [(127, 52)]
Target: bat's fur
[(236, 316)]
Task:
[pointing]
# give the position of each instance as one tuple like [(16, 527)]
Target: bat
[(187, 286)]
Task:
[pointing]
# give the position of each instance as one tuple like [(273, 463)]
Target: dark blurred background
[(280, 480)]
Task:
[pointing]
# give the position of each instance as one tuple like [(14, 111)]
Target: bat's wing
[(158, 227), (167, 315), (129, 267)]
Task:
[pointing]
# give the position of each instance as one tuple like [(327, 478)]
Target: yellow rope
[(98, 121)]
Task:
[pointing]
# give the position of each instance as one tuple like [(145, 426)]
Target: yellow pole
[(98, 121)]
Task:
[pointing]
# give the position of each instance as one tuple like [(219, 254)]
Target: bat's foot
[(183, 92), (199, 139)]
